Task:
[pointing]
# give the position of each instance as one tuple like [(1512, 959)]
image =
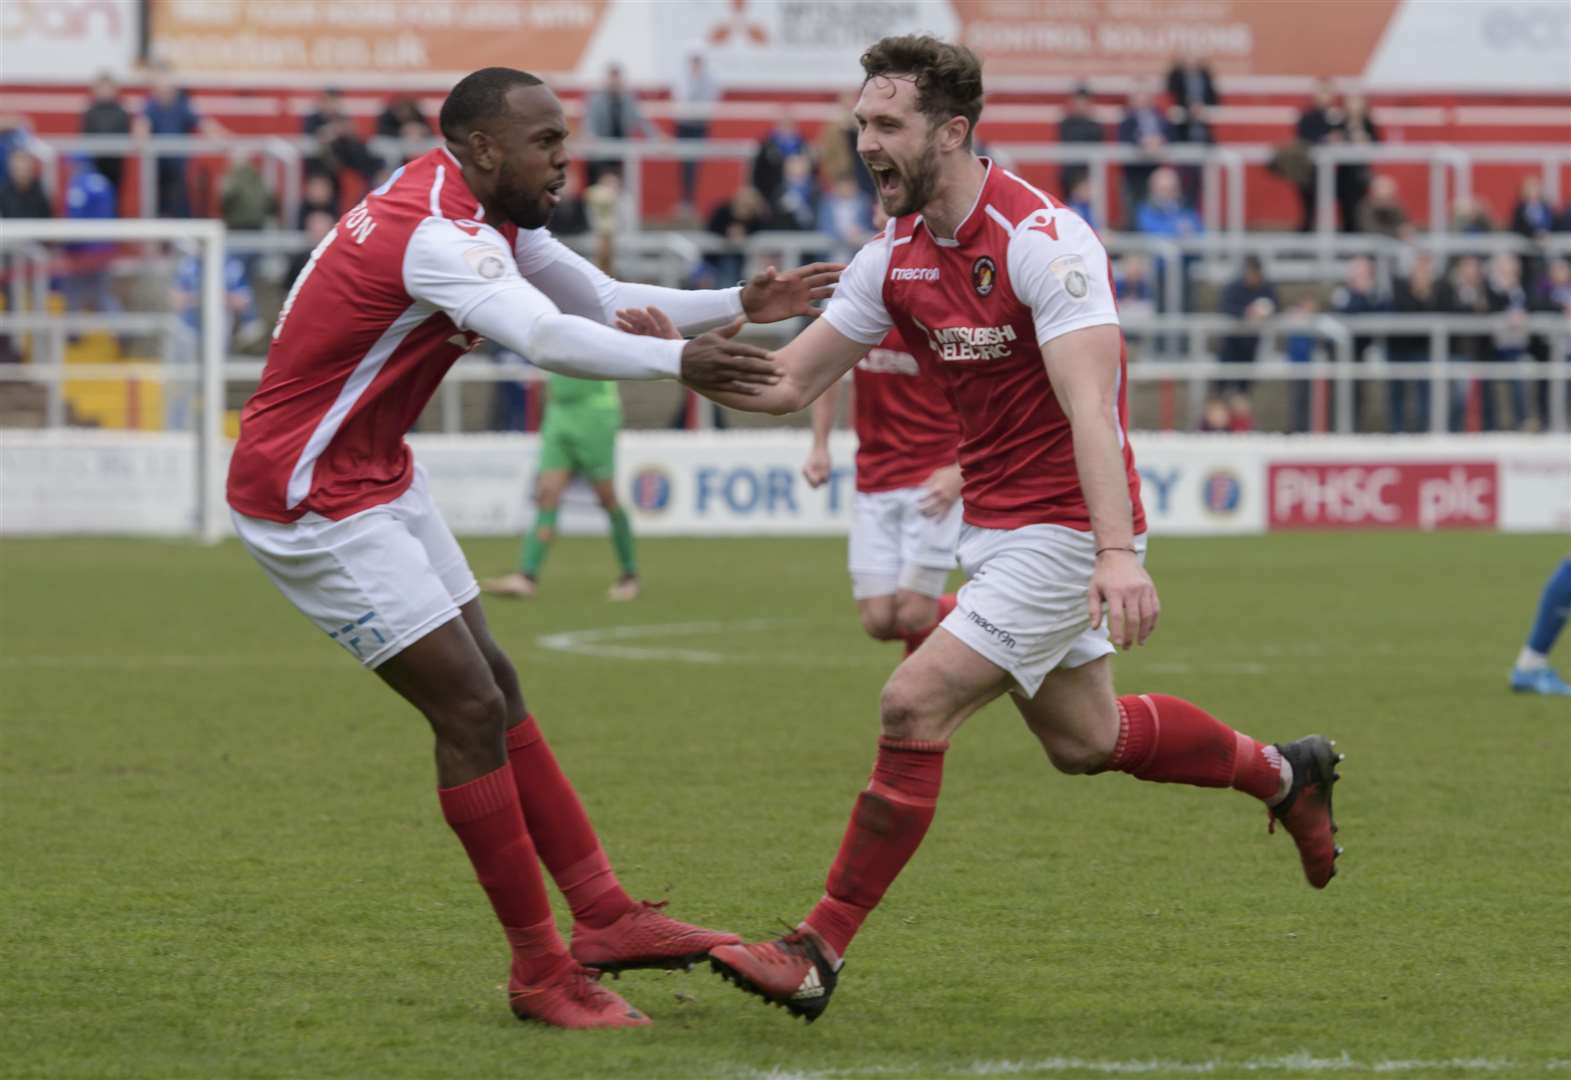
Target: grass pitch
[(222, 854)]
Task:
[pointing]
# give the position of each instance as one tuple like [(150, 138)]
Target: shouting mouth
[(553, 190), (885, 176)]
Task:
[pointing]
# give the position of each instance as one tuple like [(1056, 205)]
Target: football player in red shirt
[(905, 518), (1005, 296), (327, 497)]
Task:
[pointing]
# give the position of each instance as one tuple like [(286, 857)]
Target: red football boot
[(645, 938), (792, 972), (1306, 811), (573, 998)]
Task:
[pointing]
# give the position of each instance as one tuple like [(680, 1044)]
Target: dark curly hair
[(948, 77)]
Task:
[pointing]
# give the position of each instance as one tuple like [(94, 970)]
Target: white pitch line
[(1291, 1063), (606, 642)]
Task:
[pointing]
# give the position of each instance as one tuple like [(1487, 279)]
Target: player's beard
[(526, 208), (917, 183)]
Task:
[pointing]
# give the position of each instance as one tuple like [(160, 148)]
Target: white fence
[(749, 483)]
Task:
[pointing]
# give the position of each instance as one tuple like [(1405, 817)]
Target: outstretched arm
[(817, 467), (812, 363), (579, 287)]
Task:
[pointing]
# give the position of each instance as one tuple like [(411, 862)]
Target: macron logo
[(914, 273)]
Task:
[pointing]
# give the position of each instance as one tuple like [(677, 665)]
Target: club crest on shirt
[(984, 275), (485, 261), (1070, 270)]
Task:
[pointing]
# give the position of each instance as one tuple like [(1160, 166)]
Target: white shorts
[(895, 546), (1024, 605), (375, 582)]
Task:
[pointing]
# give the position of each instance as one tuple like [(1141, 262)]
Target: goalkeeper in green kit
[(578, 435)]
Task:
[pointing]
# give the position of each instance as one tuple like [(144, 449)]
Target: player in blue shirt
[(1532, 673)]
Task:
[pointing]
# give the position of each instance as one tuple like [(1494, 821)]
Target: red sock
[(485, 815), (561, 831), (888, 822), (1171, 741), (946, 604)]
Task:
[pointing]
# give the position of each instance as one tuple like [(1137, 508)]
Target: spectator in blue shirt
[(89, 196), (1146, 127), (1164, 213), (168, 111)]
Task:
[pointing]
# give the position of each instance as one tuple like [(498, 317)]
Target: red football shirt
[(1021, 270), (905, 424)]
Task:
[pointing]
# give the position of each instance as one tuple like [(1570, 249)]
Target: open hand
[(771, 296), (940, 492), (1121, 588), (717, 362)]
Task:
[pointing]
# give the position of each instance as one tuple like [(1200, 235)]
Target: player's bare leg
[(626, 586), (903, 615), (611, 931), (524, 582), (924, 702), (446, 677), (1086, 728)]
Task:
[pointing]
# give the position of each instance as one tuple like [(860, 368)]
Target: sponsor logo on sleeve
[(485, 261), (1070, 270)]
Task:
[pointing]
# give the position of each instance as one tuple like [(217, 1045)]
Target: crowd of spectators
[(816, 184)]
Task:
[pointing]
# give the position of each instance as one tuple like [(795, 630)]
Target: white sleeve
[(473, 279), (453, 269), (1058, 268), (580, 287), (857, 309)]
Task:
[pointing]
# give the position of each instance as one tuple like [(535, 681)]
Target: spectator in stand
[(1078, 199), (1322, 122), (317, 224), (1533, 217), (105, 115), (1135, 289), (835, 149), (168, 111), (746, 214), (571, 216), (1381, 213), (245, 202), (1252, 300), (796, 207), (783, 141), (1078, 126), (846, 214), (1353, 179), (1300, 348), (1467, 293), (89, 197), (401, 118), (1419, 293), (338, 147), (1471, 217), (1145, 127), (1553, 296), (1189, 83), (612, 112), (318, 194), (1164, 213), (1508, 297), (22, 192), (1360, 294), (694, 96)]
